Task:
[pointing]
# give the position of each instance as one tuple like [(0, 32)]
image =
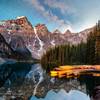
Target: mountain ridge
[(37, 39)]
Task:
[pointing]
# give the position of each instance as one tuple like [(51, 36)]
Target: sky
[(75, 15)]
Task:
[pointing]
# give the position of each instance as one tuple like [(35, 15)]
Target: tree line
[(81, 54)]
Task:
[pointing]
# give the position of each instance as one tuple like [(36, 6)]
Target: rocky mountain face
[(22, 36), (5, 49), (13, 49)]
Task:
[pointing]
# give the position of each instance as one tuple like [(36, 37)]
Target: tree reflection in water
[(91, 83)]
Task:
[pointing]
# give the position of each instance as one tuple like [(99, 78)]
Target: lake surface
[(30, 81)]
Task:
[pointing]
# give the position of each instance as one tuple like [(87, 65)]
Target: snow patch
[(53, 42), (40, 51), (20, 17), (9, 31), (2, 23)]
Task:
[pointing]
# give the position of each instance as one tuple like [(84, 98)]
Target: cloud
[(87, 14), (50, 17), (36, 5), (62, 6)]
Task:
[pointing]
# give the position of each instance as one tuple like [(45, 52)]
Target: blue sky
[(75, 15)]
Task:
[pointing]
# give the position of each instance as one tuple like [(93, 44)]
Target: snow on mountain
[(40, 41), (37, 39), (53, 42), (19, 17)]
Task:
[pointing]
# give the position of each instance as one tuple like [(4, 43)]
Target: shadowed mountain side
[(19, 53)]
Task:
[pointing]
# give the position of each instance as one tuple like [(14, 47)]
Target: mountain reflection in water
[(85, 74), (30, 79)]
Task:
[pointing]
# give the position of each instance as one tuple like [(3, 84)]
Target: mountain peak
[(41, 27), (19, 17), (56, 31), (68, 33), (39, 39), (22, 22)]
